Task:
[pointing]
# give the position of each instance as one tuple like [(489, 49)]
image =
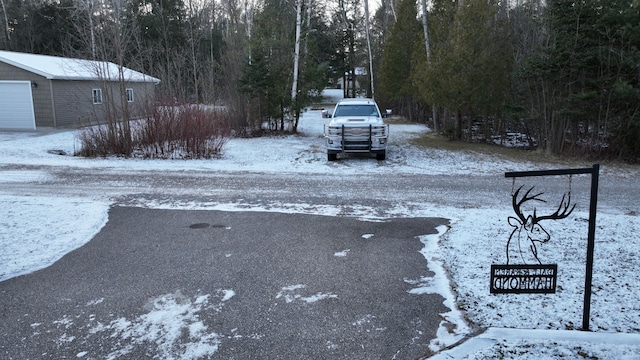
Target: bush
[(185, 131), (101, 140), (169, 132)]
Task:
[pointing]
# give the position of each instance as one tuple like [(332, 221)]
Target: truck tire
[(381, 156), (332, 157)]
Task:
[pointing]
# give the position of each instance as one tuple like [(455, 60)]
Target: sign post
[(595, 173)]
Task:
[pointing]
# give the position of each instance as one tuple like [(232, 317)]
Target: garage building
[(49, 91)]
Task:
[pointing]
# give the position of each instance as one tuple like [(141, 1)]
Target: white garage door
[(16, 105)]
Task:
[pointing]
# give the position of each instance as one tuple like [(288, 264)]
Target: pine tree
[(472, 61), (395, 87), (586, 82)]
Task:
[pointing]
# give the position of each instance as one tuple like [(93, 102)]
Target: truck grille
[(357, 145), (357, 138)]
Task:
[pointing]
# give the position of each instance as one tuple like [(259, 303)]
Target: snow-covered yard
[(50, 226)]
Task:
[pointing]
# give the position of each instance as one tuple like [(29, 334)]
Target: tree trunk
[(366, 24), (6, 22), (192, 47), (352, 72), (393, 11), (427, 45), (458, 126), (296, 56)]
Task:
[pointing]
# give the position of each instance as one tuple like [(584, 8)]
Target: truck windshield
[(356, 110)]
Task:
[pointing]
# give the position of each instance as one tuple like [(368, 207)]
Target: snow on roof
[(61, 68), (356, 101)]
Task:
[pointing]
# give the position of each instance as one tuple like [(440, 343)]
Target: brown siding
[(143, 98), (74, 104), (74, 101), (67, 103), (41, 90)]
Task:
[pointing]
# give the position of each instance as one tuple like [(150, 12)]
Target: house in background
[(49, 91)]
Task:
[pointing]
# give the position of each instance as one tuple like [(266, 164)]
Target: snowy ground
[(50, 226)]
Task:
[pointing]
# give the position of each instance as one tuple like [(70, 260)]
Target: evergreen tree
[(350, 47), (395, 88), (163, 44), (429, 78), (54, 31), (268, 75), (586, 80)]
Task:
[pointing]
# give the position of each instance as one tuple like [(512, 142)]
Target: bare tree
[(89, 6), (110, 35), (367, 31), (349, 20), (6, 22), (296, 56), (427, 45), (236, 17), (393, 9), (193, 39)]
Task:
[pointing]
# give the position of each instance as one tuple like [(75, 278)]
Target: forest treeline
[(563, 76)]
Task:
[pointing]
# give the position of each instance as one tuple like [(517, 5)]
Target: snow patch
[(342, 253), (169, 318), (453, 326), (36, 231), (287, 293)]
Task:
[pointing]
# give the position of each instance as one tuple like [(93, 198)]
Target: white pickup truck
[(356, 126)]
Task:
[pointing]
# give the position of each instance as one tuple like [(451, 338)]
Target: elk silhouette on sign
[(527, 229)]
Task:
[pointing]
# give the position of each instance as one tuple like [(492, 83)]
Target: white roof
[(61, 68), (357, 101)]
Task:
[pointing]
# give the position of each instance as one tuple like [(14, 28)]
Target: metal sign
[(528, 232), (531, 276), (528, 275), (519, 279)]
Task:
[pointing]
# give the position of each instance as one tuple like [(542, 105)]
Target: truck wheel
[(332, 157), (381, 156)]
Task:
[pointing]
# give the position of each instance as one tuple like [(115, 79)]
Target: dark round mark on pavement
[(57, 152), (199, 226)]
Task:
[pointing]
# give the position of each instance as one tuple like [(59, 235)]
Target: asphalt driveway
[(228, 285)]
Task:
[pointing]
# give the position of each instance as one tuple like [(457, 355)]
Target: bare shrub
[(182, 132), (113, 138), (169, 132)]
